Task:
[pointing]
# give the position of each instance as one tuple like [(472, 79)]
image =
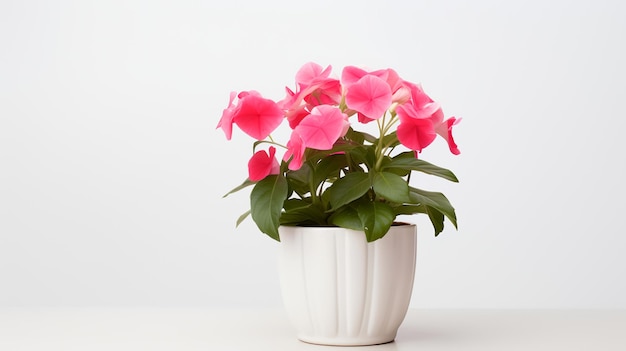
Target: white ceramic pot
[(338, 289)]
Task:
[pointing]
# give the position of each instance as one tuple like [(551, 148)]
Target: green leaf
[(302, 212), (399, 171), (266, 203), (436, 218), (377, 218), (358, 137), (294, 204), (409, 209), (299, 179), (404, 162), (340, 146), (328, 168), (391, 187), (357, 156), (301, 175), (347, 189), (436, 200), (346, 217), (246, 183), (242, 217), (368, 137), (370, 157)]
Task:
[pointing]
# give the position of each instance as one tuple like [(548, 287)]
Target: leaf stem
[(312, 190), (384, 127)]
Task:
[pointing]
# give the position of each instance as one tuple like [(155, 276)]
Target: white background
[(112, 172)]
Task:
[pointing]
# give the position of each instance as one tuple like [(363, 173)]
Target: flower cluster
[(331, 173)]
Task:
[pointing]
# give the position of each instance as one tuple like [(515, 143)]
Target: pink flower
[(393, 79), (400, 92), (323, 92), (402, 95), (415, 130), (253, 114), (262, 164), (257, 117), (226, 122), (421, 119), (444, 129), (424, 106), (311, 72), (295, 116), (321, 129), (295, 151), (318, 130), (364, 119), (370, 96), (313, 88), (418, 118), (351, 74)]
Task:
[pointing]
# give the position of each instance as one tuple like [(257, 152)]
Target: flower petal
[(310, 72), (258, 117), (351, 74), (414, 133), (444, 129), (262, 164), (226, 122), (295, 151), (321, 129), (370, 96)]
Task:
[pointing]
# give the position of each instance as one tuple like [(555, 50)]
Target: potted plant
[(347, 265)]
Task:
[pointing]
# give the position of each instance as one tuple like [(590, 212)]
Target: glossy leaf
[(409, 209), (436, 218), (411, 163), (298, 211), (435, 200), (242, 217), (246, 183), (347, 189), (391, 187), (377, 218), (328, 168), (266, 203), (302, 175), (346, 217)]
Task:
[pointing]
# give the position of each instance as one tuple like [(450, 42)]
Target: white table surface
[(269, 329)]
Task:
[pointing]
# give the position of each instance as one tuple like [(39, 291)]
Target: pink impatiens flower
[(418, 118), (262, 164), (318, 130), (421, 119), (253, 114), (370, 96), (311, 72), (316, 87), (414, 131), (444, 129), (313, 87), (396, 91), (258, 117), (423, 105), (226, 122), (351, 74), (295, 151), (321, 129)]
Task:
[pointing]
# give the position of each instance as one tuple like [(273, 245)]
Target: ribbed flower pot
[(338, 289)]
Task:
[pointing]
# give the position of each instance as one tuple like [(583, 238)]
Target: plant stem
[(383, 128), (312, 190)]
